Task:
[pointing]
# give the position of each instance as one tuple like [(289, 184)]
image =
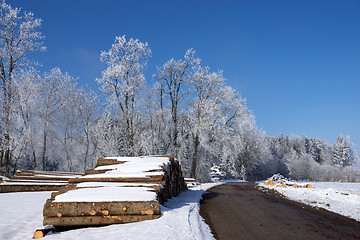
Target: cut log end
[(40, 233)]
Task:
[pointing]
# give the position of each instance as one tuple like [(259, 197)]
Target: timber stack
[(191, 182), (278, 180), (117, 190), (29, 180)]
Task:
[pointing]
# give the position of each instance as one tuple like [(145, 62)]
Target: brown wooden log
[(24, 174), (41, 178), (173, 182), (93, 171), (27, 188), (40, 233), (62, 190), (95, 220), (46, 172), (190, 180), (107, 161), (73, 209), (22, 181), (171, 157)]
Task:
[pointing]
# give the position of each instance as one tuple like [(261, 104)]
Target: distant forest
[(49, 122)]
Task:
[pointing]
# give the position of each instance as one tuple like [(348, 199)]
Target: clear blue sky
[(296, 62)]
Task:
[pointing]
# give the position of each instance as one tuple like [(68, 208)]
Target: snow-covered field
[(341, 198), (21, 214)]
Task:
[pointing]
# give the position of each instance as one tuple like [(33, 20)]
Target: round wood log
[(40, 233)]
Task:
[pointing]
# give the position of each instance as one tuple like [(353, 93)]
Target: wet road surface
[(240, 211)]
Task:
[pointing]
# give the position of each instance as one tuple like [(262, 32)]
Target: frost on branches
[(342, 152), (18, 38), (122, 80)]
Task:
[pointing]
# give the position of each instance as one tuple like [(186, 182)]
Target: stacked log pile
[(280, 181), (29, 180), (117, 190), (191, 182)]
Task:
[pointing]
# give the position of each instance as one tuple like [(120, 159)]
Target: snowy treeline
[(49, 122), (315, 159)]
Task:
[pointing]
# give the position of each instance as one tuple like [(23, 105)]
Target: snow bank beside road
[(341, 198), (180, 220)]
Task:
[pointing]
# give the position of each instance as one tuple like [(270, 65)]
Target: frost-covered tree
[(27, 84), (19, 37), (122, 80), (342, 152), (54, 84), (155, 135), (172, 77), (53, 120), (209, 91), (278, 147), (233, 139), (88, 113), (300, 166), (108, 137)]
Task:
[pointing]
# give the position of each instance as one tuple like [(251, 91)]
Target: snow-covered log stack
[(29, 180), (278, 180), (117, 190), (191, 182)]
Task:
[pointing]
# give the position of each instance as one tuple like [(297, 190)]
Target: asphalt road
[(240, 211)]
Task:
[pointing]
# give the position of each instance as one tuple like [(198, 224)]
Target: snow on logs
[(278, 180), (191, 182), (117, 190), (29, 180)]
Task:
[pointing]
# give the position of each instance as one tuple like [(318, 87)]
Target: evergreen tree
[(342, 152)]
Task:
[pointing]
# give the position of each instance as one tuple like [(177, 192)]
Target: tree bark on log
[(107, 161), (20, 172), (74, 209), (53, 178), (95, 220), (27, 188)]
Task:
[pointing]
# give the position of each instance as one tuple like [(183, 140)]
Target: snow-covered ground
[(341, 198), (21, 214)]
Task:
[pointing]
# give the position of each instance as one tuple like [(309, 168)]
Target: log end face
[(38, 234)]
